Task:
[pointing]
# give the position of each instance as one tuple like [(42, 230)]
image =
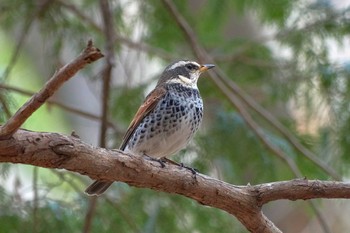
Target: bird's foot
[(160, 161), (191, 169)]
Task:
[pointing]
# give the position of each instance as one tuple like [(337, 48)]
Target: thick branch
[(90, 54), (54, 150)]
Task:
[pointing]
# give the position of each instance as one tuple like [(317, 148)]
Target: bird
[(168, 118)]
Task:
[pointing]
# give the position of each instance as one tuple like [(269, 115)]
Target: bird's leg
[(193, 170), (166, 160), (160, 161)]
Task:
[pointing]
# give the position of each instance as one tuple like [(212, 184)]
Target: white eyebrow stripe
[(182, 63)]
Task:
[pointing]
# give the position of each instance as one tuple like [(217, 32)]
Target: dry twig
[(90, 54)]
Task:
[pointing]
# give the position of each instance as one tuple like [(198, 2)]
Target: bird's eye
[(191, 67)]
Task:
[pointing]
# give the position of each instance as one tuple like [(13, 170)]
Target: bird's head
[(184, 72)]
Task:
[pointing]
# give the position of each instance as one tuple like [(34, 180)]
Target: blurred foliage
[(283, 53)]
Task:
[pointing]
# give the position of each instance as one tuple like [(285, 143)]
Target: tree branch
[(89, 54), (53, 150), (301, 189)]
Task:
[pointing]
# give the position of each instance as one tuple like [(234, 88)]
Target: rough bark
[(53, 150)]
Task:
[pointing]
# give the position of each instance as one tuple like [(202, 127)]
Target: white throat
[(188, 82)]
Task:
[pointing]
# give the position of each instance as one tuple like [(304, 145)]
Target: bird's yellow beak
[(206, 67)]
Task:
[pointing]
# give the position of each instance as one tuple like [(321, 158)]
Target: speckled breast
[(170, 126)]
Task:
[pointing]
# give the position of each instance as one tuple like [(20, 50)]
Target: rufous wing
[(148, 105)]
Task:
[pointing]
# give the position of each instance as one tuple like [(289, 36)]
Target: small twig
[(4, 105), (90, 54)]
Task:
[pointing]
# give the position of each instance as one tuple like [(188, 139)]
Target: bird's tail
[(98, 187)]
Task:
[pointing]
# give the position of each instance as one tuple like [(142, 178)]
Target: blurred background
[(276, 105)]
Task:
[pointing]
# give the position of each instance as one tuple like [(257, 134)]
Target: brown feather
[(148, 105)]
